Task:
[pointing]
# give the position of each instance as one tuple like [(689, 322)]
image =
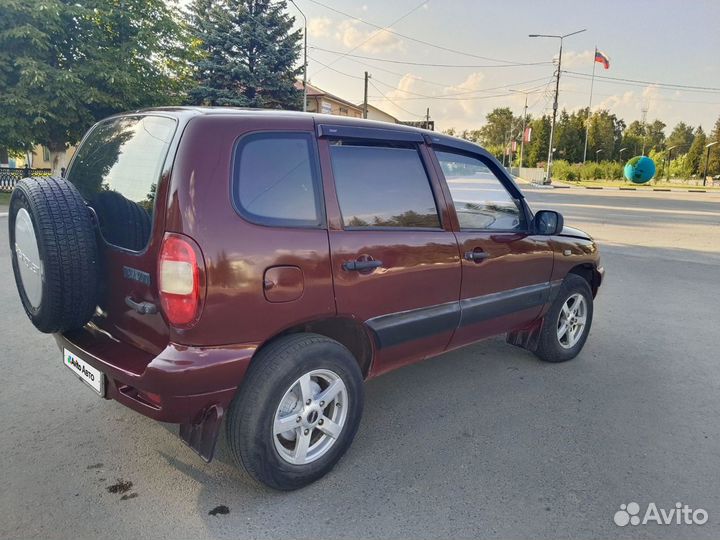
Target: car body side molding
[(397, 328)]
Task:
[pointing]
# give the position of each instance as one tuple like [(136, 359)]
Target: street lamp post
[(707, 158), (305, 63), (668, 159), (557, 90), (596, 154), (620, 153)]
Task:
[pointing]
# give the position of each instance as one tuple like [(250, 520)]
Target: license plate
[(85, 372)]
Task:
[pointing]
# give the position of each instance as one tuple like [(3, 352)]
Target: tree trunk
[(58, 160)]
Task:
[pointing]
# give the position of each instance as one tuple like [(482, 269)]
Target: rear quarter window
[(276, 180), (117, 170)]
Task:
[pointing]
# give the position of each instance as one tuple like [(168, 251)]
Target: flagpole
[(587, 120)]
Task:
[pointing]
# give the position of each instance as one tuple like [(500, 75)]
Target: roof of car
[(320, 118)]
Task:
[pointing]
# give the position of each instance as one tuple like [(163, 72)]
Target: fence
[(534, 175), (10, 176)]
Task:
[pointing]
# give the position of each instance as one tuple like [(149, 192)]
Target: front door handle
[(476, 256), (361, 266)]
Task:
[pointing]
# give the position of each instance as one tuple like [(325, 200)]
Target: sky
[(669, 42)]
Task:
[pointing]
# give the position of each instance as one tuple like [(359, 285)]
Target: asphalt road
[(485, 442)]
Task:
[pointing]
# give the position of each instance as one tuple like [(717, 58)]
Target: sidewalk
[(557, 184)]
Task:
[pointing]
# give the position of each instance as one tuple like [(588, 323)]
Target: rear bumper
[(178, 385)]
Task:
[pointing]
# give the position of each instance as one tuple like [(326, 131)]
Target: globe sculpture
[(640, 169)]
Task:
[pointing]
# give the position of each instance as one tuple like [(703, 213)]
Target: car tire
[(272, 397), (123, 222), (54, 253), (567, 323)]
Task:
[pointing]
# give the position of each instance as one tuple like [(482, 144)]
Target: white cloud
[(351, 35), (319, 27), (459, 109), (573, 59)]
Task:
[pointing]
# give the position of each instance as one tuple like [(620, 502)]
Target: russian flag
[(602, 58)]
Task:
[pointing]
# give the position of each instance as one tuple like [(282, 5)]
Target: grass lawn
[(4, 198), (648, 186)]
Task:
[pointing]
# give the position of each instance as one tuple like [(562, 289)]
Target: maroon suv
[(256, 266)]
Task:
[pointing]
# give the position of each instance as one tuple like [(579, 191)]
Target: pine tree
[(714, 160), (697, 148), (250, 54)]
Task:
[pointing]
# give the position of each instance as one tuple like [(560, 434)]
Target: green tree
[(714, 161), (540, 139), (655, 136), (602, 135), (696, 152), (249, 54), (67, 64), (681, 137), (570, 135), (500, 123), (632, 139)]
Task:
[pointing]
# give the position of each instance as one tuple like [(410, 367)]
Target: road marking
[(3, 214), (649, 210)]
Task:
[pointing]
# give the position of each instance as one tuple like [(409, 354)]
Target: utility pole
[(305, 63), (522, 135), (644, 111), (707, 158), (555, 102), (524, 127), (668, 159), (367, 76), (427, 119)]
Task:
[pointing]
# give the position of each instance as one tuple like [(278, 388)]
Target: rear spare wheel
[(54, 253)]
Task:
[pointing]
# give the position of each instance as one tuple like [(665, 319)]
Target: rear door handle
[(476, 256), (359, 266), (144, 308)]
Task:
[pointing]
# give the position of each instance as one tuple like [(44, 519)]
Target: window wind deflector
[(357, 132)]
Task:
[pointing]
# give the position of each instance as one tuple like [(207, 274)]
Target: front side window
[(481, 201), (275, 179), (117, 169), (380, 186)]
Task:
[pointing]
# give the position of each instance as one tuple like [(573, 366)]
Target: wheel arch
[(589, 273), (346, 331)]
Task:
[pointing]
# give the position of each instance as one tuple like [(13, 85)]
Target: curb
[(629, 188)]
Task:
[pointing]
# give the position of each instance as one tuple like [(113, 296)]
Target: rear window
[(117, 170)]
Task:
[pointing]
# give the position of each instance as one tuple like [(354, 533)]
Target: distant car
[(201, 265)]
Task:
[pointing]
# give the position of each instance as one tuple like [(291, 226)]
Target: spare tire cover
[(54, 253)]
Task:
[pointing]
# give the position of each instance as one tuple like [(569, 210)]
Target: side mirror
[(548, 222)]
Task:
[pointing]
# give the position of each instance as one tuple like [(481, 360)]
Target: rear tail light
[(179, 275)]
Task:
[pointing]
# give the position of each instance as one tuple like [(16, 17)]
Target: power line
[(620, 80), (427, 64), (425, 96), (398, 34), (392, 102), (374, 34), (453, 96)]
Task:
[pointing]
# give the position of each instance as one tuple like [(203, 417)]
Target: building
[(39, 158), (320, 101), (373, 113)]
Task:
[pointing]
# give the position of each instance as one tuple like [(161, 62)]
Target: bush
[(562, 170)]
